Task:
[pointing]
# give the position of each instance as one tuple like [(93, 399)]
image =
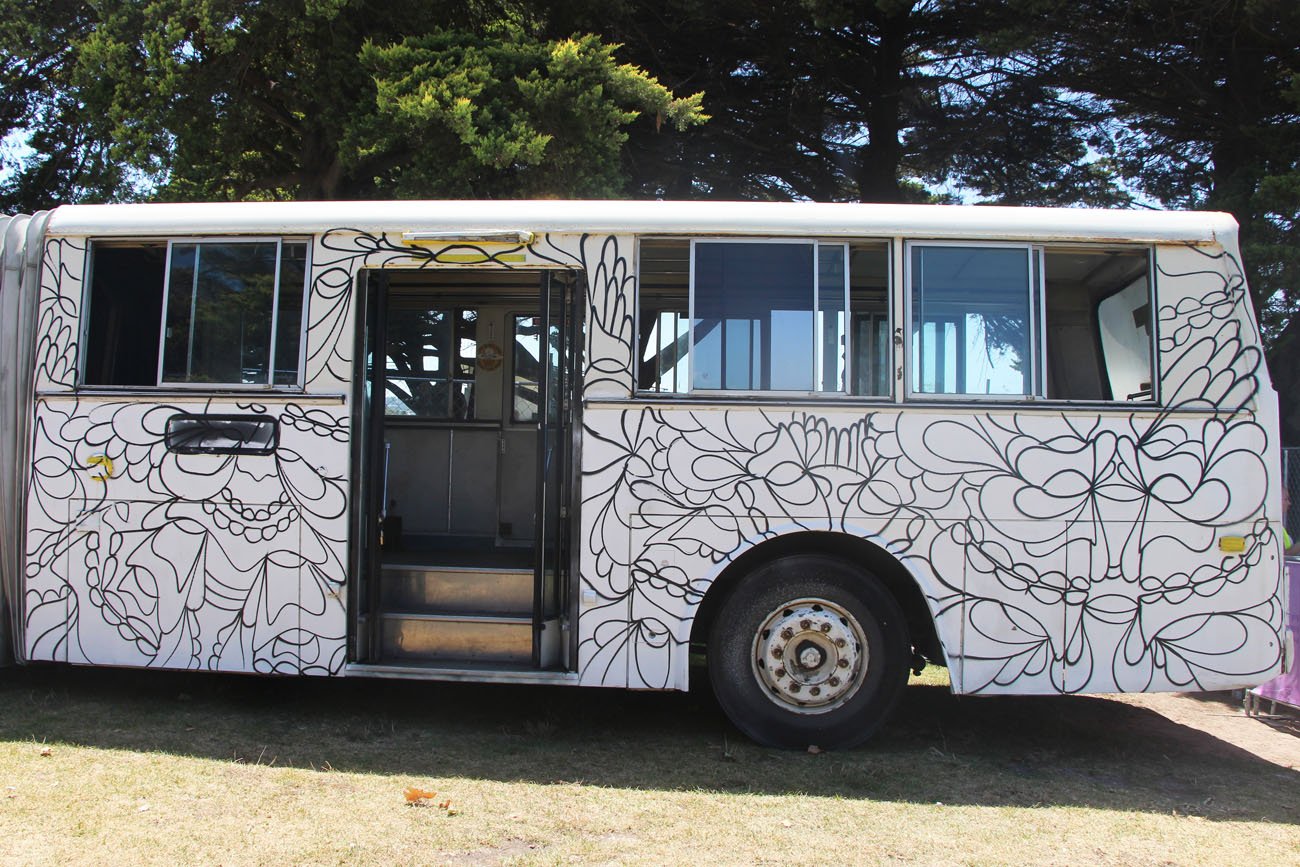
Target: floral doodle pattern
[(144, 556), (148, 557), (1058, 553)]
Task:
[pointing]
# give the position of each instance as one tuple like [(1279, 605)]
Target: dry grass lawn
[(126, 767)]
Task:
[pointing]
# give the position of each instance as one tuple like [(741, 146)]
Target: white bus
[(579, 442)]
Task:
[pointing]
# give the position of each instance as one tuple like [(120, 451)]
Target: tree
[(70, 155), (508, 115), (1202, 108), (874, 100), (234, 99)]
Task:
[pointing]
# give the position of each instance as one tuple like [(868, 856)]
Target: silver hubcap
[(810, 655)]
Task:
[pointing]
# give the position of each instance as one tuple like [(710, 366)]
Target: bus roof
[(649, 217)]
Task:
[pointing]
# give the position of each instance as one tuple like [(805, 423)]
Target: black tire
[(819, 600)]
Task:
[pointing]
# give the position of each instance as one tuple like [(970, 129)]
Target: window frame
[(168, 242), (270, 384), (1035, 312), (1153, 345), (886, 247), (1153, 325)]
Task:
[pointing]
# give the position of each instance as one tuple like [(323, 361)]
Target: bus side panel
[(670, 497), (139, 553), (174, 560), (1184, 591), (1090, 550)]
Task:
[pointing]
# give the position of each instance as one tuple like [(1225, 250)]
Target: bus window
[(220, 300), (431, 360), (125, 315), (869, 304), (971, 322), (663, 292), (773, 324), (1099, 340), (752, 316)]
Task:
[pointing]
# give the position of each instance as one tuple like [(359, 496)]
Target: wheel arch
[(896, 577)]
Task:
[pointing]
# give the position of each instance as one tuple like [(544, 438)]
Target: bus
[(817, 446)]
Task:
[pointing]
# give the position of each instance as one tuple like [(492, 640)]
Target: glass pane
[(431, 361), (869, 303), (753, 326), (526, 369), (420, 398), (289, 324), (219, 313), (663, 296), (466, 344), (415, 362), (832, 317), (663, 349), (180, 306), (971, 320)]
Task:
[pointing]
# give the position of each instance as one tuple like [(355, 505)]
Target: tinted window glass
[(220, 300), (971, 321), (753, 317)]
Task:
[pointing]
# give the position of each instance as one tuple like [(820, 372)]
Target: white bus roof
[(649, 217)]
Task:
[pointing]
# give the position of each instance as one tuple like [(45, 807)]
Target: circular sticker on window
[(489, 356)]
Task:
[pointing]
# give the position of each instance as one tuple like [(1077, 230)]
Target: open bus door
[(465, 460)]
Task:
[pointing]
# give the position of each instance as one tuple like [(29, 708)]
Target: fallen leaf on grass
[(47, 751), (416, 796)]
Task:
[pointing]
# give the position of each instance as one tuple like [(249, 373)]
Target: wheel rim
[(810, 655)]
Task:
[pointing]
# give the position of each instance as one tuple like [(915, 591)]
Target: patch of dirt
[(1274, 739)]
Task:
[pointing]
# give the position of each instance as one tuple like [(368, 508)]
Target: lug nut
[(805, 624), (777, 653), (843, 663), (816, 690), (794, 687), (839, 642), (780, 672), (834, 681), (787, 633), (826, 627)]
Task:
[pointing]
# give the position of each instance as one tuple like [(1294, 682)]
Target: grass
[(154, 767)]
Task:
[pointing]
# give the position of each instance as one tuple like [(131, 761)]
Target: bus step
[(458, 590), (469, 638)]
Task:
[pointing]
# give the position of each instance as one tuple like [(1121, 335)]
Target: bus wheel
[(808, 650)]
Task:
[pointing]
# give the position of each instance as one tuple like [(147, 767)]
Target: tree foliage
[(236, 99), (1200, 108)]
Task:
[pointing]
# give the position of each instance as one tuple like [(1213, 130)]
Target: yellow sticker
[(1232, 544)]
